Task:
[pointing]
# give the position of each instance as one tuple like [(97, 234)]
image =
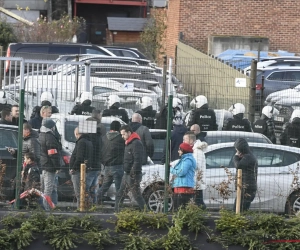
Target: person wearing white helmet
[(161, 119), (114, 109), (84, 108), (3, 101), (291, 131), (202, 115), (146, 111), (265, 125), (46, 100), (238, 122)]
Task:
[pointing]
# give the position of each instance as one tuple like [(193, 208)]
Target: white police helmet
[(85, 96), (270, 111), (198, 101), (3, 99), (295, 114), (237, 108), (177, 103), (47, 96), (112, 99), (144, 102)]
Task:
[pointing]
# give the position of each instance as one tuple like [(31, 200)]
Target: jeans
[(48, 180), (92, 184), (111, 173), (247, 197), (199, 199), (130, 183), (54, 195)]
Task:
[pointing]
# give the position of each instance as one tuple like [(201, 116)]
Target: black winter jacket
[(2, 121), (291, 133), (265, 126), (133, 155), (113, 149), (32, 144), (237, 123), (247, 163), (117, 112), (50, 150), (82, 153), (83, 109), (96, 140), (148, 116), (161, 118), (146, 139), (204, 117), (15, 121)]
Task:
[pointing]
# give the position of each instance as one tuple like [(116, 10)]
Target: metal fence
[(223, 86)]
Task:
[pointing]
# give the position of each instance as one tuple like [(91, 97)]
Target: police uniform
[(120, 113), (266, 127), (237, 123), (291, 133), (205, 118), (81, 109), (148, 116)]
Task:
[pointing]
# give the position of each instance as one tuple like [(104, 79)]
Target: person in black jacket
[(50, 157), (15, 115), (84, 108), (265, 125), (46, 100), (291, 131), (114, 109), (200, 135), (202, 115), (82, 154), (6, 117), (133, 158), (36, 122), (92, 173), (113, 154), (147, 112), (245, 160)]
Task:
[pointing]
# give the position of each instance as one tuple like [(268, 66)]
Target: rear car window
[(61, 50)]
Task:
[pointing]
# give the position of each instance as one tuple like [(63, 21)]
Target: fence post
[(239, 192), (163, 99), (167, 163), (252, 90), (262, 93), (82, 187)]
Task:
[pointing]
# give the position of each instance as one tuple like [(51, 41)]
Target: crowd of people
[(123, 150)]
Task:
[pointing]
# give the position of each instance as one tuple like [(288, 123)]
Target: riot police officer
[(202, 115), (84, 108), (291, 131), (238, 122), (265, 125), (3, 101), (147, 112), (114, 109), (46, 100), (161, 119)]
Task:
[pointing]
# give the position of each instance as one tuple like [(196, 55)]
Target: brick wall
[(198, 19)]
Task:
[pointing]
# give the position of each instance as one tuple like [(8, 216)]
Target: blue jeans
[(92, 184), (48, 180), (54, 195), (130, 183), (112, 173)]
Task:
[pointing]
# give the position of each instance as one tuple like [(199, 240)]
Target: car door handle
[(284, 172)]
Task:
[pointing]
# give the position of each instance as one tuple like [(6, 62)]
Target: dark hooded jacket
[(205, 118), (117, 112), (84, 108), (15, 121), (50, 150), (248, 163), (201, 136), (3, 121), (96, 140), (82, 153), (161, 118), (133, 155), (37, 109), (291, 133), (148, 116), (113, 152), (176, 139), (146, 139), (265, 126), (237, 123)]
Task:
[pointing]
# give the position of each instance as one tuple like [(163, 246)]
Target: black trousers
[(247, 197), (181, 199), (199, 199)]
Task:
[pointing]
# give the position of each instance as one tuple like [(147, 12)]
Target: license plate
[(279, 119)]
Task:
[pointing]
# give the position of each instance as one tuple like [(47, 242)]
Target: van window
[(128, 53), (30, 52), (60, 50), (93, 51), (276, 76)]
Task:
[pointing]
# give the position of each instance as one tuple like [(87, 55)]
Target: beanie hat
[(115, 125), (186, 148), (48, 123)]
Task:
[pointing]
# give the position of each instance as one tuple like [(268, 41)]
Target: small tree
[(6, 34), (61, 30), (153, 35)]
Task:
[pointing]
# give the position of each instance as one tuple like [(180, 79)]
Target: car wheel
[(154, 198), (292, 205)]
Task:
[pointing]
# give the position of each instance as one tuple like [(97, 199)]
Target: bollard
[(82, 188), (239, 192)]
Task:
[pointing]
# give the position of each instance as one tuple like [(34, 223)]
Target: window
[(231, 138), (290, 158), (128, 53), (292, 76), (60, 50), (93, 51), (276, 76), (101, 90), (69, 130), (268, 157), (8, 138), (220, 157), (116, 52)]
